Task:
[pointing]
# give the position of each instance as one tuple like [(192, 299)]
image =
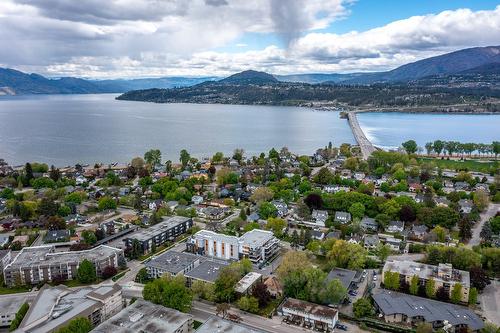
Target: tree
[(54, 173), (478, 278), (267, 210), (292, 261), (313, 201), (362, 308), (86, 272), (335, 291), (347, 255), (414, 284), (77, 325), (106, 202), (438, 146), (109, 272), (142, 276), (383, 251), (430, 288), (137, 163), (324, 176), (410, 146), (261, 293), (28, 174), (465, 228), (456, 293), (481, 199), (424, 328), (407, 213), (262, 194), (153, 157), (440, 233), (47, 207), (222, 308), (184, 157), (351, 163), (238, 154), (357, 210), (170, 292), (276, 225), (218, 157), (89, 237), (391, 280), (472, 296), (428, 148), (226, 281)]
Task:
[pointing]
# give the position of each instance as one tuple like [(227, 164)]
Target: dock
[(366, 146)]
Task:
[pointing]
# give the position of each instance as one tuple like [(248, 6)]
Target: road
[(490, 302), (493, 208), (366, 146)]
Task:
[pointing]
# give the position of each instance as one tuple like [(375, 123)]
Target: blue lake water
[(68, 129), (390, 129)]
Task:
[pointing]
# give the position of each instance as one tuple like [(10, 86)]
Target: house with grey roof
[(371, 242), (397, 307), (465, 206), (342, 217), (395, 226), (369, 224), (320, 216)]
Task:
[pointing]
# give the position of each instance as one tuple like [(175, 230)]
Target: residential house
[(342, 217), (320, 216), (371, 242), (317, 317), (369, 224), (395, 227), (281, 206), (54, 236), (274, 286), (419, 232), (466, 206)]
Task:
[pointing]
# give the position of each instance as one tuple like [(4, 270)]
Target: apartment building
[(444, 275), (33, 265), (160, 233), (257, 245)]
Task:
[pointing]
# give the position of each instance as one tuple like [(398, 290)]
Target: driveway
[(493, 208)]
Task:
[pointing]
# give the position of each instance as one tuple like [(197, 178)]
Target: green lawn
[(14, 290), (469, 165)]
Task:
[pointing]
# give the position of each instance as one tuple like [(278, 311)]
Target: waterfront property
[(143, 316), (309, 315), (257, 245), (54, 307), (444, 275), (402, 308), (33, 265), (159, 234)]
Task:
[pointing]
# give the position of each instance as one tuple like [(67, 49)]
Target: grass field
[(468, 165)]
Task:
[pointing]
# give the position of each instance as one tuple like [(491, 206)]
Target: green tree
[(153, 157), (28, 174), (218, 157), (267, 210), (89, 237), (410, 146), (438, 146), (238, 154), (414, 284), (357, 210), (170, 292), (184, 157), (430, 288), (335, 291), (424, 328), (456, 293), (142, 276), (106, 202), (383, 251), (347, 255), (276, 225), (86, 272), (249, 304), (472, 296), (429, 147), (77, 325), (19, 317), (391, 280), (362, 308)]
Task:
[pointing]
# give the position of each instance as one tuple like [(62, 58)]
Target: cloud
[(127, 38)]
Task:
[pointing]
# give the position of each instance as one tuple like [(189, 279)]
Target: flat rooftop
[(391, 302), (11, 303), (207, 271), (143, 316), (247, 281), (424, 271), (46, 255), (174, 262), (256, 237), (168, 223), (216, 324)]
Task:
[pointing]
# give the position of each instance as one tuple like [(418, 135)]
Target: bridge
[(366, 146)]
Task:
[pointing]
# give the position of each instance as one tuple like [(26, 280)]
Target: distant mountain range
[(467, 63), (13, 82)]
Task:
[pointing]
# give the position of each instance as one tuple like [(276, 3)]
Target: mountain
[(250, 77), (14, 82), (449, 63), (314, 78)]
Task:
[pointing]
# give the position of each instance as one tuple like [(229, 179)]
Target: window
[(231, 250), (223, 252)]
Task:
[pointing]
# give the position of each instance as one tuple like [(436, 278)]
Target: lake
[(69, 129), (390, 129)]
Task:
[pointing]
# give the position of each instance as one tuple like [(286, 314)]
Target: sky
[(154, 38)]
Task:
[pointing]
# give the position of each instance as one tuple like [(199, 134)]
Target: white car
[(374, 278)]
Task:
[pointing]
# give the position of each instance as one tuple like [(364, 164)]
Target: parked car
[(341, 326), (374, 278)]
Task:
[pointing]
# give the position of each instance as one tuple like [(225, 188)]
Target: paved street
[(490, 302), (493, 208)]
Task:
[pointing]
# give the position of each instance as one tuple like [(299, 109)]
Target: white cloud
[(126, 38)]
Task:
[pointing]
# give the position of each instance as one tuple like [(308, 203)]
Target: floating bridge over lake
[(366, 146)]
